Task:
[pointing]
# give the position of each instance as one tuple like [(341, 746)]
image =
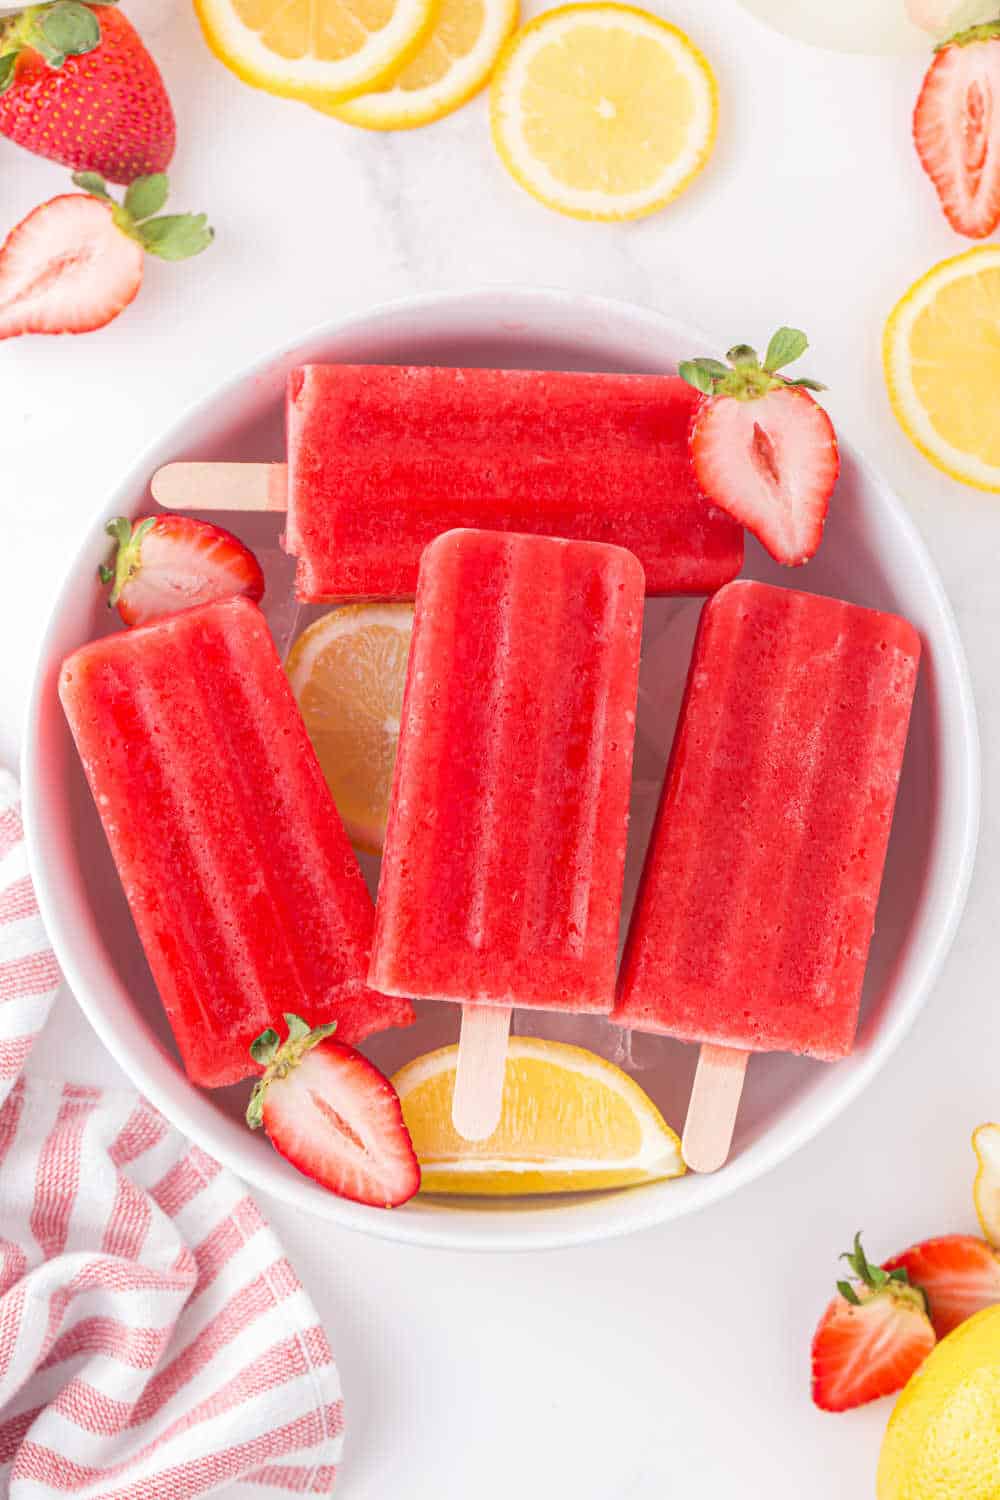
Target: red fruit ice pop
[(757, 902), (243, 887), (505, 848), (384, 458)]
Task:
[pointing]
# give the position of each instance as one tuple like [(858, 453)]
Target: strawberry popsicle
[(243, 887), (382, 459), (505, 849), (757, 903)]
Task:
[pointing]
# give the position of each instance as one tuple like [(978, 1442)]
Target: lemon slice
[(569, 1122), (453, 64), (603, 111), (986, 1189), (318, 50), (347, 672), (942, 365)]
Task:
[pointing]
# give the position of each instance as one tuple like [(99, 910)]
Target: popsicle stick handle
[(195, 486), (714, 1105), (479, 1075)]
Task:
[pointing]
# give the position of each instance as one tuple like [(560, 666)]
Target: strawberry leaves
[(787, 345), (128, 552), (280, 1059), (987, 31), (872, 1277), (146, 196), (170, 236), (66, 28), (745, 377)]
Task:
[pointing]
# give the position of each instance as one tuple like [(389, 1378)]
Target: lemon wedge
[(603, 111), (569, 1122), (986, 1189), (942, 365), (453, 64), (318, 50), (347, 672)]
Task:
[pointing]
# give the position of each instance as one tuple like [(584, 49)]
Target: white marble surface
[(674, 1364)]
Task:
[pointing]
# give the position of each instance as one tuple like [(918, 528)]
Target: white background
[(674, 1364)]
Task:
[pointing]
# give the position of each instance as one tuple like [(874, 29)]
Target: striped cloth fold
[(155, 1344)]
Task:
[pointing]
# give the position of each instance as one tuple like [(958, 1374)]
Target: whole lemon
[(943, 1439)]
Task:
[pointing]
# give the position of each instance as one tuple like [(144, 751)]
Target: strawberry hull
[(244, 889)]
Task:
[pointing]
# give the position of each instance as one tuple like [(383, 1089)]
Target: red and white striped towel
[(155, 1344)]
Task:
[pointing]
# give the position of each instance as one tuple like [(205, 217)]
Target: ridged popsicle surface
[(756, 909), (505, 849), (383, 458), (246, 894)]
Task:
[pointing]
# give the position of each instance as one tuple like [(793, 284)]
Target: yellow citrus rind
[(347, 671), (941, 354), (603, 111), (986, 1188), (280, 45), (570, 1122), (453, 64)]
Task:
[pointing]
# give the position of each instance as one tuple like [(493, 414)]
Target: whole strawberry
[(761, 448), (956, 129), (78, 86)]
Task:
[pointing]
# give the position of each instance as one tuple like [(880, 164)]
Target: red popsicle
[(757, 904), (384, 458), (243, 887)]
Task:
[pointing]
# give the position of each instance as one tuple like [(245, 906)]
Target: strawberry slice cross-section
[(762, 448), (333, 1115)]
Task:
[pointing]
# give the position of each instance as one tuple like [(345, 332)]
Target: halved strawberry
[(958, 1273), (333, 1115), (762, 448), (873, 1336), (167, 563), (956, 129), (66, 268), (74, 263)]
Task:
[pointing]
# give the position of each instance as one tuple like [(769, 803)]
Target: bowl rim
[(638, 1209)]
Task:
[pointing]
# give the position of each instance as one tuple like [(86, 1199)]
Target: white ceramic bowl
[(871, 554)]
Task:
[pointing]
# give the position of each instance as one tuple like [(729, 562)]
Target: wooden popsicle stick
[(197, 486), (479, 1074), (714, 1105)]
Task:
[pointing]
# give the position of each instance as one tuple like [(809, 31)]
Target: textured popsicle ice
[(757, 903), (244, 889), (384, 458), (505, 849)]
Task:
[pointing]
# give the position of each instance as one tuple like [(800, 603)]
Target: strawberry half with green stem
[(166, 563), (77, 261), (332, 1114), (762, 448), (956, 129), (873, 1336), (958, 1273), (78, 86)]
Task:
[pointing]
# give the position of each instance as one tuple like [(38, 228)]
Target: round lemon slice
[(986, 1189), (603, 111), (347, 672), (322, 51), (454, 62), (569, 1122), (942, 366)]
